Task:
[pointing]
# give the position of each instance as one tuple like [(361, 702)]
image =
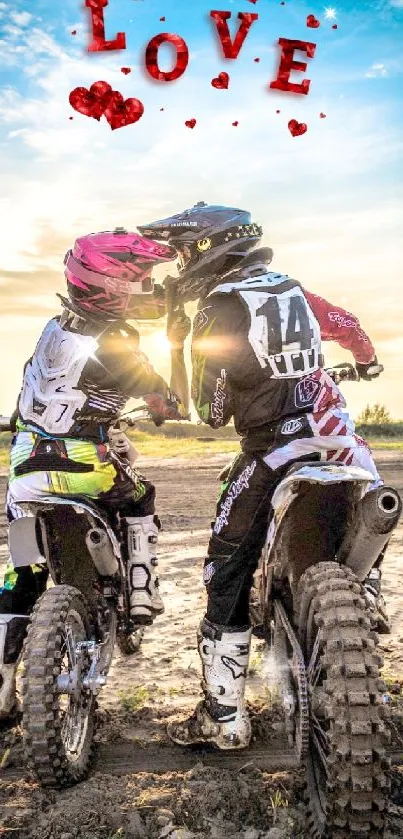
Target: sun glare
[(158, 343), (330, 14)]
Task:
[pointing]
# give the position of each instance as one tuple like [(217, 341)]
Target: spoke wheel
[(57, 726), (346, 786)]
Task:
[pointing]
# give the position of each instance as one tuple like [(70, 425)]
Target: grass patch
[(152, 446), (376, 443), (134, 699), (277, 802), (255, 663), (161, 445)]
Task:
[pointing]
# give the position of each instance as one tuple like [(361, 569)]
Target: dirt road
[(141, 785)]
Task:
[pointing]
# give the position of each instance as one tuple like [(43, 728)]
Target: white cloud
[(21, 18), (12, 31), (376, 71)]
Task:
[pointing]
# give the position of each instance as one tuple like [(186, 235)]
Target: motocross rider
[(86, 365), (257, 357)]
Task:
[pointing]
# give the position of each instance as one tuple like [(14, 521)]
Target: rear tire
[(57, 728), (346, 786)]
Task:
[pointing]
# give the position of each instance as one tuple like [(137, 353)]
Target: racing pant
[(75, 467), (243, 510)]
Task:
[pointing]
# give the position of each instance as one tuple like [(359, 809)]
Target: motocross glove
[(369, 371), (178, 329), (165, 407), (118, 441), (121, 445)]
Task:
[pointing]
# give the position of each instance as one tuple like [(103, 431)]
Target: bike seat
[(47, 501), (328, 471), (299, 463)]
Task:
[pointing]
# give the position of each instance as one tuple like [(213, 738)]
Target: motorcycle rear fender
[(22, 539), (317, 474), (23, 544), (287, 491)]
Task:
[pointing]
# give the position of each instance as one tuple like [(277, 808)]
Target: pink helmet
[(109, 274)]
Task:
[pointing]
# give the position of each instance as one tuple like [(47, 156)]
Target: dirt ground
[(141, 785)]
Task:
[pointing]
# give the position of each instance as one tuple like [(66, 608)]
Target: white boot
[(222, 718), (145, 599)]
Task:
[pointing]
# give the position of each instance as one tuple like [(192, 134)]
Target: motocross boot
[(221, 718), (376, 602), (145, 600), (12, 632)]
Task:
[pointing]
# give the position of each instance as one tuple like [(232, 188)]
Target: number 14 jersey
[(257, 350)]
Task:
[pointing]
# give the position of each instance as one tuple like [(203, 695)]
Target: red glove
[(164, 407)]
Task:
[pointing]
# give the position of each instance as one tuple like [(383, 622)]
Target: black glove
[(369, 371), (178, 329)]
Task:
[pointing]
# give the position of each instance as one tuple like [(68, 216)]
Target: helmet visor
[(192, 253), (184, 256)]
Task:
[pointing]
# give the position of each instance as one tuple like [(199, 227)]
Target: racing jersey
[(256, 351), (76, 383)]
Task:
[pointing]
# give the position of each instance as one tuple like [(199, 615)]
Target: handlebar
[(142, 413), (339, 373)]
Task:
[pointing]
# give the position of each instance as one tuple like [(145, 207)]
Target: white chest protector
[(50, 397), (284, 333)]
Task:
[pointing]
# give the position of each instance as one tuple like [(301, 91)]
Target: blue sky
[(330, 201)]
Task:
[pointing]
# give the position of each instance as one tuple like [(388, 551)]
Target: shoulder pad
[(270, 279)]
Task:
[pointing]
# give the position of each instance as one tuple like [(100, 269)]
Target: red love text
[(231, 49), (98, 43), (287, 64), (182, 57)]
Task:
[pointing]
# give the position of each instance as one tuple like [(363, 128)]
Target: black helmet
[(209, 239)]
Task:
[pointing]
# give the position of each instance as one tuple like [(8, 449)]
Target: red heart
[(278, 112), (335, 26), (162, 109), (120, 112), (190, 123), (257, 60), (235, 123), (162, 18), (100, 88), (322, 116), (312, 22), (91, 102), (74, 31), (297, 128), (221, 82), (125, 70)]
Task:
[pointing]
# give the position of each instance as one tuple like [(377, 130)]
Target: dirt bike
[(308, 603), (74, 625)]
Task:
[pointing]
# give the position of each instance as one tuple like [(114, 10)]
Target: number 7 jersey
[(257, 350)]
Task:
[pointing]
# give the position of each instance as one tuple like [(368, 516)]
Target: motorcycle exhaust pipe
[(101, 552), (377, 515)]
